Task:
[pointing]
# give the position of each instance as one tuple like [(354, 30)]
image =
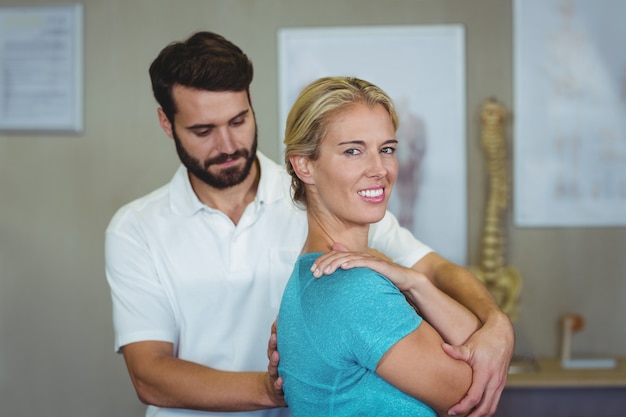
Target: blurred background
[(59, 191)]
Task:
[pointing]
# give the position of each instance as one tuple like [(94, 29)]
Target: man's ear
[(165, 123), (302, 167)]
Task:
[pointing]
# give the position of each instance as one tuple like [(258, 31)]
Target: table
[(548, 390)]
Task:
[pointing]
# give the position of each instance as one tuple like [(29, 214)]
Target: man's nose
[(225, 141)]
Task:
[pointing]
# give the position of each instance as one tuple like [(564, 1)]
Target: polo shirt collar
[(273, 179), (184, 201)]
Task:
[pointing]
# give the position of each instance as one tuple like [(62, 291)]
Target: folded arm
[(459, 284), (440, 381), (454, 322), (488, 350)]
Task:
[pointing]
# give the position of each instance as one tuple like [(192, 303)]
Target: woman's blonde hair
[(309, 117)]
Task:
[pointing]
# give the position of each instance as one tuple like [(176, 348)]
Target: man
[(197, 267)]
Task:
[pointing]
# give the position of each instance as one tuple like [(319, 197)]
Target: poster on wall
[(41, 68), (422, 68), (570, 113)]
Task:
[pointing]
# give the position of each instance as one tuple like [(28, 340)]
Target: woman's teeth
[(371, 193)]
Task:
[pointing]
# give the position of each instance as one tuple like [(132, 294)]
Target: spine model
[(503, 281)]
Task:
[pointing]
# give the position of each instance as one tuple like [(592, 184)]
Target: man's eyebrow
[(200, 126)]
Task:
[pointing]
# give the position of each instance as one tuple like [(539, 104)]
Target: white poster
[(570, 113), (41, 68), (423, 69)]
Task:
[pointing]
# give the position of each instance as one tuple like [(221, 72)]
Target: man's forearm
[(212, 390), (166, 381)]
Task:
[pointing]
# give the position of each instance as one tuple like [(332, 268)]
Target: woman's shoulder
[(360, 283), (353, 282)]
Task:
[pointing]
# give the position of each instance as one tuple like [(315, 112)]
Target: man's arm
[(490, 349), (160, 378), (163, 380)]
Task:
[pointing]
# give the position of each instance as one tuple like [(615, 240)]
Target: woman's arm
[(489, 349), (453, 321), (417, 365), (458, 283)]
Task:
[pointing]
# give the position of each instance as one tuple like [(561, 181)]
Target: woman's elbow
[(455, 386)]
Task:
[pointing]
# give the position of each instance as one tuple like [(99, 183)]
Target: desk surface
[(549, 374)]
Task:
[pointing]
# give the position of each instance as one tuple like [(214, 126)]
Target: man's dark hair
[(205, 61)]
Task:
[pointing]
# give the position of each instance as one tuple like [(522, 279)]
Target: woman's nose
[(377, 168)]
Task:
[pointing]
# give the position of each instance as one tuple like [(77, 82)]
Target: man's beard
[(225, 178)]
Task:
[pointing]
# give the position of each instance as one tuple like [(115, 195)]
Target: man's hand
[(489, 353), (275, 383)]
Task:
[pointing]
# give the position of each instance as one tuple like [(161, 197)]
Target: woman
[(350, 344)]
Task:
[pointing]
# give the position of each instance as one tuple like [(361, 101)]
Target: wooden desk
[(551, 391), (549, 374)]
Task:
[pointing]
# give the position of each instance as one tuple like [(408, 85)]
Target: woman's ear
[(302, 167)]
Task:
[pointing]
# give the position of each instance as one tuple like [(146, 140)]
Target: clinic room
[(511, 166)]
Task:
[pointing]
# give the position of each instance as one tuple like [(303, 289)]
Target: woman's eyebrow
[(362, 142), (352, 142)]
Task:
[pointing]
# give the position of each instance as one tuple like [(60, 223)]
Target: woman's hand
[(340, 257), (453, 321)]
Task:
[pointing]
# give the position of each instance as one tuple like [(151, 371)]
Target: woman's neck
[(325, 232)]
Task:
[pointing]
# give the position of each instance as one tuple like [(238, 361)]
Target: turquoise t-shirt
[(332, 331)]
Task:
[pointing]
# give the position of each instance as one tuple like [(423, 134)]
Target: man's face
[(215, 134)]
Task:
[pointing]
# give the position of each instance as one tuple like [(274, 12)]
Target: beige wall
[(57, 194)]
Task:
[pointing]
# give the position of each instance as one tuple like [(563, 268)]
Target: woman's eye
[(353, 151), (388, 150)]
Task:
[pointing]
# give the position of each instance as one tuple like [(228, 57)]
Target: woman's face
[(357, 165)]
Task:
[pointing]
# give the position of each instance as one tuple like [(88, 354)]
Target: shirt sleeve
[(397, 242), (141, 309), (366, 315)]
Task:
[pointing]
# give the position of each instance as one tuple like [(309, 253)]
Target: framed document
[(570, 121), (41, 68)]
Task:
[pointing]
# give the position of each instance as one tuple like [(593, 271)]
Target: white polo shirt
[(182, 272)]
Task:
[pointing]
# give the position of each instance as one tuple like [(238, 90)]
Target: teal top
[(332, 331)]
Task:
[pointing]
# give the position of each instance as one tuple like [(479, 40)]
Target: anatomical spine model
[(503, 281)]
